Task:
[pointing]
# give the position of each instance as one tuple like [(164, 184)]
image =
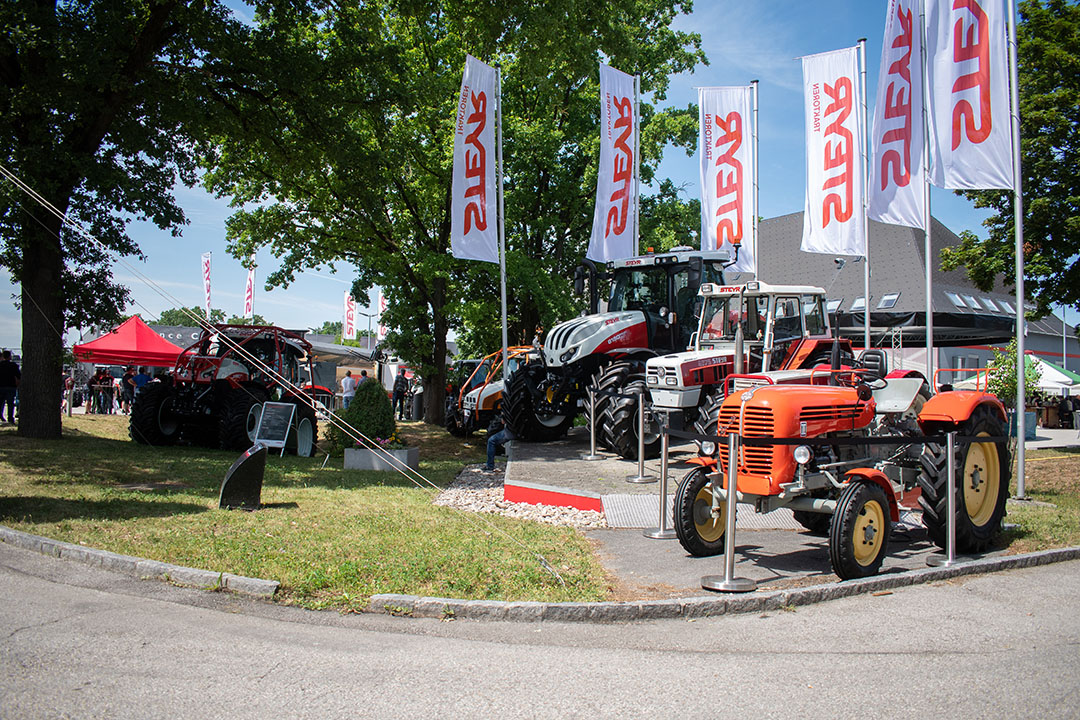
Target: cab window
[(788, 319), (814, 315)]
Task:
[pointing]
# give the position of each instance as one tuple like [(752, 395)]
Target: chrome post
[(662, 532), (641, 477), (949, 558), (592, 428), (730, 583)]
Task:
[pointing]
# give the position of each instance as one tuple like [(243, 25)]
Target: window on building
[(990, 305), (1008, 306), (833, 305), (888, 300), (956, 300), (858, 304), (972, 302)]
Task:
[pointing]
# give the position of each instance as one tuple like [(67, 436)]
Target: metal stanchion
[(641, 477), (730, 583), (70, 396), (592, 429), (949, 558), (662, 532)]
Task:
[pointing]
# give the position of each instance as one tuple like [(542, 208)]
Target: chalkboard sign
[(274, 424)]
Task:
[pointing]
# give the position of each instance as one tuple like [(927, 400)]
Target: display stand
[(242, 487)]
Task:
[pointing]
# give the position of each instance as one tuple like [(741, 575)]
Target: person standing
[(127, 389), (9, 385), (401, 386), (140, 379), (348, 389)]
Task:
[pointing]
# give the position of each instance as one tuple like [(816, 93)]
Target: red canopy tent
[(132, 343)]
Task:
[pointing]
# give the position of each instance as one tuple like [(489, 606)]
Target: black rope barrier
[(823, 440)]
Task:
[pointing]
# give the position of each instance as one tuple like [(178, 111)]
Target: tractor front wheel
[(240, 416), (152, 419), (528, 416), (859, 534), (700, 534)]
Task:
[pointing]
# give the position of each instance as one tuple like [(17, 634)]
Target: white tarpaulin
[(474, 221), (968, 73), (896, 159), (726, 153), (833, 222), (615, 217)]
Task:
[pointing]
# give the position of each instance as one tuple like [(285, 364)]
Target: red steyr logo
[(838, 154), (623, 168), (898, 105), (972, 45), (729, 180), (475, 165)]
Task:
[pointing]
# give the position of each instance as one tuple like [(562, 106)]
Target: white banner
[(833, 219), (474, 207), (726, 153), (615, 218), (896, 157), (382, 309), (206, 281), (348, 328), (249, 291), (968, 73)]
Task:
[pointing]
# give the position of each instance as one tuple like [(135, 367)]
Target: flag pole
[(502, 219), (637, 164), (928, 221), (754, 238), (866, 196), (1018, 227)]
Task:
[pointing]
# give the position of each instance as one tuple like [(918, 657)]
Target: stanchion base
[(641, 479), (720, 584), (941, 560), (658, 534), (592, 457)]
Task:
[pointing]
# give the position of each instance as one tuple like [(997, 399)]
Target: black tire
[(152, 421), (699, 533), (859, 533), (707, 422), (980, 501), (453, 423), (240, 418), (620, 424), (612, 378), (814, 522), (520, 414), (304, 436)]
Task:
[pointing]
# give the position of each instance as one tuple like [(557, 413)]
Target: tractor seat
[(874, 362)]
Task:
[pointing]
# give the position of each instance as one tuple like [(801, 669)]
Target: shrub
[(369, 412)]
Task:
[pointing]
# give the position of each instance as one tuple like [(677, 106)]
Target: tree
[(362, 173), (1048, 38), (255, 319), (189, 317), (1001, 377), (100, 103)]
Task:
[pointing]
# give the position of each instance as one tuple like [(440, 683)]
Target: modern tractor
[(475, 404), (651, 311), (847, 491), (214, 395)]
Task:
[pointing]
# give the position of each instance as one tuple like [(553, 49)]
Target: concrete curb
[(427, 607), (139, 567)]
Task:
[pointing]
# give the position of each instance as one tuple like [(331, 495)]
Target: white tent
[(1052, 380)]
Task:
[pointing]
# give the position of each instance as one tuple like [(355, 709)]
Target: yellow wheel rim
[(982, 475), (869, 533), (710, 529), (550, 394)]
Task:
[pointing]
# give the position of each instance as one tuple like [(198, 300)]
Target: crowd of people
[(104, 394)]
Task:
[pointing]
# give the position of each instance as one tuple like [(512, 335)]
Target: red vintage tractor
[(214, 395)]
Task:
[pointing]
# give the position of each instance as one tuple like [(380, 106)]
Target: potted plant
[(373, 417), (1001, 381)]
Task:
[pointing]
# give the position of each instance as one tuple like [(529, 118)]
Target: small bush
[(369, 412)]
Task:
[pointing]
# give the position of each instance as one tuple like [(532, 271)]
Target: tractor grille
[(831, 412), (758, 422)]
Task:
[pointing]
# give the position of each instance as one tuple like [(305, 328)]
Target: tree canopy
[(1048, 36)]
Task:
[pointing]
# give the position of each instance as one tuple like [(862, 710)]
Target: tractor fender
[(905, 374), (703, 461), (956, 406), (878, 478)]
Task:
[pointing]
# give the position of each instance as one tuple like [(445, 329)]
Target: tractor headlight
[(803, 454), (566, 356), (708, 447), (671, 380)]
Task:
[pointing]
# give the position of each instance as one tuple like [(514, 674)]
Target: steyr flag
[(726, 152), (206, 281), (968, 73), (833, 220), (249, 291), (896, 157), (348, 328), (615, 218), (382, 309), (474, 224)]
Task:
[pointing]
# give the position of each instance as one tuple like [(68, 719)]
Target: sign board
[(274, 424)]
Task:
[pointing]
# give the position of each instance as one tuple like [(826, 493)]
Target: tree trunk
[(435, 401), (43, 327)]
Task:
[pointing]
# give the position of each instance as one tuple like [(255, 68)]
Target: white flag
[(833, 220), (249, 291), (726, 152), (615, 218), (474, 222), (206, 281), (348, 328), (382, 309), (968, 72), (896, 158)]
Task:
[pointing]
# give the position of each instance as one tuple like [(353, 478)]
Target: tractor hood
[(602, 333)]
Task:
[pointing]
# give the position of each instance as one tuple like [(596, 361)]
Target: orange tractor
[(839, 485)]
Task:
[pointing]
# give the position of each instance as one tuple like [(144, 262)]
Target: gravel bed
[(476, 490)]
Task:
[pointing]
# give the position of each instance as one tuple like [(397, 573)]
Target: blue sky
[(744, 41)]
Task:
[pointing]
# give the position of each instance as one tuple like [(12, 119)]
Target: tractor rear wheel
[(152, 420), (814, 522), (698, 531), (240, 416), (608, 380), (525, 414), (620, 423), (983, 473), (859, 534)]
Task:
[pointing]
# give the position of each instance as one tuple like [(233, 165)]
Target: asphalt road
[(77, 641)]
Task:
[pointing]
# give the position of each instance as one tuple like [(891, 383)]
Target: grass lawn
[(331, 537), (1051, 476)]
